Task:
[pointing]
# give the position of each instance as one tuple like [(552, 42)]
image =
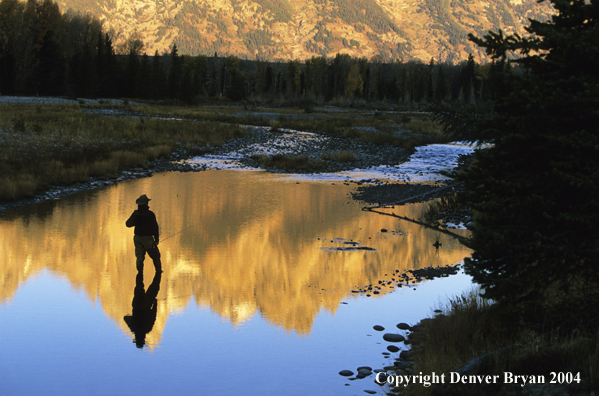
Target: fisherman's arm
[(131, 220)]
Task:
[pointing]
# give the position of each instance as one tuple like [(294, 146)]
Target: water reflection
[(144, 308), (237, 243)]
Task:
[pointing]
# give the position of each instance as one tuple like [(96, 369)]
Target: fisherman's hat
[(142, 200)]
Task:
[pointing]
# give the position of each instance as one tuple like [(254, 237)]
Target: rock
[(391, 337), (364, 371), (370, 392), (392, 348), (403, 326), (407, 355), (346, 373), (378, 328)]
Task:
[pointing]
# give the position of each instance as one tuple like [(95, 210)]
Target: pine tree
[(535, 192), (235, 79), (174, 75), (158, 77), (10, 28), (293, 76)]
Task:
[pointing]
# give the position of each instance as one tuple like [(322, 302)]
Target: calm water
[(254, 299)]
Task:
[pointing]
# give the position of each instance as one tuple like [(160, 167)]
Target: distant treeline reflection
[(46, 52)]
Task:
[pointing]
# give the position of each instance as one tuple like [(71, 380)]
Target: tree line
[(46, 52), (535, 190)]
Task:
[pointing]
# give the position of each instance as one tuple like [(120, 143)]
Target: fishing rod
[(172, 235)]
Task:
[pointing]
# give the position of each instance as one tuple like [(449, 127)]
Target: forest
[(49, 53)]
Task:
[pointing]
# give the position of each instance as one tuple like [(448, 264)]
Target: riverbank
[(55, 146), (472, 346)]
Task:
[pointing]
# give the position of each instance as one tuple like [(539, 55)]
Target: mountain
[(300, 29)]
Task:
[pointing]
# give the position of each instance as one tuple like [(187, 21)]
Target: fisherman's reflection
[(144, 308)]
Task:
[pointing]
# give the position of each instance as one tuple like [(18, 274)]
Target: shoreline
[(260, 140), (367, 191)]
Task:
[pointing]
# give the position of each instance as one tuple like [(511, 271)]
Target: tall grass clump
[(441, 205), (502, 339), (466, 329), (426, 126), (17, 186)]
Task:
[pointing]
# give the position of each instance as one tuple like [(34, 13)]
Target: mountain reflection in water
[(237, 243)]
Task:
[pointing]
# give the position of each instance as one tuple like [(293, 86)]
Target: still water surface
[(255, 298)]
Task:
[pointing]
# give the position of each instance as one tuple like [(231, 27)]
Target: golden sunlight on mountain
[(238, 243), (300, 29)]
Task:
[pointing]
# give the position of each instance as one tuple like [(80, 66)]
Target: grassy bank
[(506, 339), (379, 127), (61, 144)]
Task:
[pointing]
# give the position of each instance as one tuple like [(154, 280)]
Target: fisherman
[(146, 233)]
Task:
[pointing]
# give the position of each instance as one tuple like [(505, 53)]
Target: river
[(257, 295)]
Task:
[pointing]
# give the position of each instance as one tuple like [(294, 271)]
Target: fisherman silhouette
[(146, 233), (144, 304)]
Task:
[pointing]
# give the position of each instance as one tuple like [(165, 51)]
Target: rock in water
[(403, 326), (346, 373), (365, 371), (393, 337)]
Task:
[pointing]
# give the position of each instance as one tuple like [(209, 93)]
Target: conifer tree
[(235, 79), (200, 67), (10, 28), (186, 90), (158, 77), (535, 192), (293, 75), (144, 78), (174, 74)]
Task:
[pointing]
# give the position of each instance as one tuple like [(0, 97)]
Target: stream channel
[(258, 294)]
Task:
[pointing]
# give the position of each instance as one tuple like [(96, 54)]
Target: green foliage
[(235, 79), (257, 40), (535, 192), (367, 12), (294, 77), (441, 13), (281, 10)]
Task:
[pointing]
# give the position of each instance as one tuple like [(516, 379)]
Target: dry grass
[(339, 156), (423, 128), (46, 145), (290, 162), (472, 327), (434, 207), (69, 143)]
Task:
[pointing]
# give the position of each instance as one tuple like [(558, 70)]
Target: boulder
[(392, 337)]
